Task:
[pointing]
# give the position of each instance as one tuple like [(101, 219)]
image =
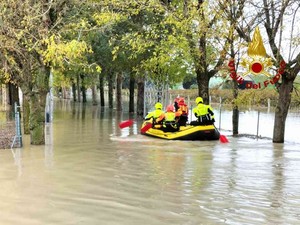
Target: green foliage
[(151, 43), (188, 81), (107, 18), (62, 55)]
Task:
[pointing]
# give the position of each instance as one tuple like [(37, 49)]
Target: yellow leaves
[(107, 18), (68, 56), (98, 69), (4, 76), (8, 64), (69, 52), (115, 52)]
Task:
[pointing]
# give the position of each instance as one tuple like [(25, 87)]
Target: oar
[(222, 138), (145, 128), (126, 123)]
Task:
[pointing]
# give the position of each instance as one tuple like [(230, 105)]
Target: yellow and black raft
[(188, 132)]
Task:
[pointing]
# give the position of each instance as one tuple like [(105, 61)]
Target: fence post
[(257, 124), (220, 113), (18, 127)]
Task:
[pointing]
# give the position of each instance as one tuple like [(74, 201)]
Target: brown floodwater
[(91, 172)]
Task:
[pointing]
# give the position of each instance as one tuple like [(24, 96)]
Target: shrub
[(253, 97)]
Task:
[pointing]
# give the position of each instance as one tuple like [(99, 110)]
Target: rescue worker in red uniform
[(184, 110)]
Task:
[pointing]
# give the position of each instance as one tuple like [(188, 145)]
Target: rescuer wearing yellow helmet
[(155, 113), (204, 113)]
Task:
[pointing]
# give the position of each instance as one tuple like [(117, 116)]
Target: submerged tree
[(204, 30), (233, 13), (23, 32), (275, 17), (279, 19), (148, 42), (27, 51)]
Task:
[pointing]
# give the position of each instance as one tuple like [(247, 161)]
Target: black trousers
[(182, 120), (170, 126), (203, 120)]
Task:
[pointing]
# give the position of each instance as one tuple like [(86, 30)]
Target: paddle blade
[(126, 123), (145, 128), (223, 139)]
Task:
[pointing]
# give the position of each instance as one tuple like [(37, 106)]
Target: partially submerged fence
[(17, 141), (10, 131)]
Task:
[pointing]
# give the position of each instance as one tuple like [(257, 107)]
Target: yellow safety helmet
[(158, 105), (199, 100)]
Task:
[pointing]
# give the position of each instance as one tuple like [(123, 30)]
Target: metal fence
[(10, 130), (17, 141)]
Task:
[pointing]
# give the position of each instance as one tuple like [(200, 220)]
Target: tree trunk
[(74, 91), (131, 93), (83, 91), (78, 88), (110, 90), (37, 118), (203, 82), (1, 93), (94, 95), (64, 93), (201, 70), (101, 78), (26, 113), (235, 120), (119, 91), (83, 88), (140, 96), (13, 93), (235, 110), (284, 100), (38, 97)]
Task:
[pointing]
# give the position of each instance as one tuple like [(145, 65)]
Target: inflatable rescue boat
[(188, 132)]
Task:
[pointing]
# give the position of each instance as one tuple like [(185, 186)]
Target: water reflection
[(276, 195), (92, 172), (17, 156), (166, 168), (260, 123), (49, 145)]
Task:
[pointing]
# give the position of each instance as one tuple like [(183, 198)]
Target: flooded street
[(91, 172)]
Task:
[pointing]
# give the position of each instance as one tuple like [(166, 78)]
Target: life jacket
[(183, 109), (169, 123), (155, 114), (170, 116), (201, 110)]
